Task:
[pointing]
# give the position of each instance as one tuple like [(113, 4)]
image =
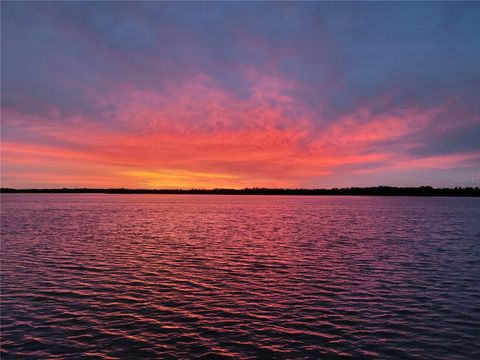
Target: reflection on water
[(181, 276)]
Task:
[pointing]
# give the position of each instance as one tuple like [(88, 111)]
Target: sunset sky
[(240, 94)]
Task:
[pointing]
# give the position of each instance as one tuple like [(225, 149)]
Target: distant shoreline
[(357, 191)]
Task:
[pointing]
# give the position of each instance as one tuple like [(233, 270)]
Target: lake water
[(241, 277)]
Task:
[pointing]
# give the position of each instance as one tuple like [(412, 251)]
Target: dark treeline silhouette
[(377, 190)]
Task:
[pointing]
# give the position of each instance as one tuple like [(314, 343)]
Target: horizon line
[(371, 190), (233, 188)]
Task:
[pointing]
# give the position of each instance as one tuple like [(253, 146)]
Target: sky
[(240, 94)]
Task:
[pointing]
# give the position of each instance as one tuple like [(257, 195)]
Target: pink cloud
[(196, 134)]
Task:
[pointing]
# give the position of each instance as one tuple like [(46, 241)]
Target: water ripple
[(239, 277)]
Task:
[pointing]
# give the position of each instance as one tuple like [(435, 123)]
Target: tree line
[(371, 191)]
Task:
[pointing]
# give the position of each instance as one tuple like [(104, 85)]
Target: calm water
[(183, 276)]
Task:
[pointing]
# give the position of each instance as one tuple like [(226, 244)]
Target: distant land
[(369, 191)]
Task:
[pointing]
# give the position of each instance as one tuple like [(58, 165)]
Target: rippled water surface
[(205, 276)]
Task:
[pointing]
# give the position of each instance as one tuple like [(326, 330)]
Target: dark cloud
[(341, 54), (465, 138)]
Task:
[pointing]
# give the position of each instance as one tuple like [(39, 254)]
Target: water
[(205, 276)]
